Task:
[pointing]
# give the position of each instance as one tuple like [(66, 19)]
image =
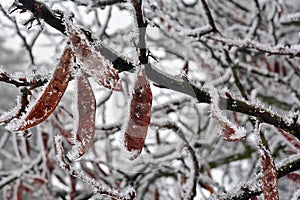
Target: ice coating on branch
[(168, 21), (14, 124), (23, 99), (222, 79), (59, 150), (289, 18), (288, 160), (134, 31), (92, 61), (281, 49), (229, 130), (7, 115), (21, 76), (95, 186)]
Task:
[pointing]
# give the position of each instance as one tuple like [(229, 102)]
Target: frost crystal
[(96, 187), (50, 97), (139, 118), (229, 131), (92, 61), (75, 153), (85, 109)]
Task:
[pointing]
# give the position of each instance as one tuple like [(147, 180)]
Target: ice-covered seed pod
[(92, 61), (51, 96), (139, 118), (85, 118)]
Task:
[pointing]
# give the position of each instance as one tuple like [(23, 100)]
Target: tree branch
[(248, 190), (142, 25), (202, 94), (27, 46), (100, 3), (209, 16), (292, 51), (22, 81)]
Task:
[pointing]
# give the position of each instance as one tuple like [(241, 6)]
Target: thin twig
[(103, 190), (27, 46)]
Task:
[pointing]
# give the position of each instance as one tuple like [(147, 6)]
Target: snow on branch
[(190, 192), (292, 18), (23, 80), (253, 187), (209, 16), (20, 108), (195, 52), (16, 174), (229, 131), (203, 95), (171, 24), (97, 188), (286, 50)]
